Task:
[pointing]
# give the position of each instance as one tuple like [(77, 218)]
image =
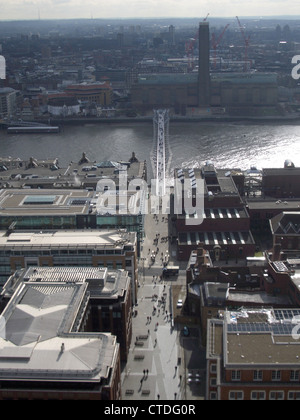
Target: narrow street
[(152, 371)]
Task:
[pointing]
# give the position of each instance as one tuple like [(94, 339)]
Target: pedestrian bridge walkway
[(161, 156)]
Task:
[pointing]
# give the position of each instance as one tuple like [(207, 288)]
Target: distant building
[(236, 93), (45, 353), (94, 93), (253, 355), (63, 105), (8, 102)]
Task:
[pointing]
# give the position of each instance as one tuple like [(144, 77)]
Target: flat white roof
[(37, 342), (56, 239)]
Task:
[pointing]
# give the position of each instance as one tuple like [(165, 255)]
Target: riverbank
[(176, 118), (289, 119)]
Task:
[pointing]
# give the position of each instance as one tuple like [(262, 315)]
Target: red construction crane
[(216, 42), (246, 40), (189, 49)]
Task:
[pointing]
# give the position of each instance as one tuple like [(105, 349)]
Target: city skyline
[(68, 9)]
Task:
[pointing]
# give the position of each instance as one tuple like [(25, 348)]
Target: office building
[(110, 249), (45, 354), (8, 102), (71, 209), (254, 355), (45, 209)]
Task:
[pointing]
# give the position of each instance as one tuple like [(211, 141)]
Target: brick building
[(94, 93), (285, 229), (239, 93), (281, 182), (254, 355), (225, 229)]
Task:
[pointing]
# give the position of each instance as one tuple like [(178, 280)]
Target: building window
[(276, 395), (213, 396), (258, 395), (236, 375), (257, 375), (213, 368), (236, 395), (276, 375), (294, 376), (213, 382), (294, 395)]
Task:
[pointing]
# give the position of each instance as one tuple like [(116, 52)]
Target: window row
[(258, 375), (260, 395)]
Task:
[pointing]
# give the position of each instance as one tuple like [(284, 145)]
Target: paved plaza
[(152, 371)]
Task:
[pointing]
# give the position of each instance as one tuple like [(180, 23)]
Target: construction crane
[(246, 40), (216, 42), (189, 49)]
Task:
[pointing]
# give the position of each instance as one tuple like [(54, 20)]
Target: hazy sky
[(30, 9)]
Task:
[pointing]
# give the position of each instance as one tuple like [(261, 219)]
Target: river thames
[(227, 145)]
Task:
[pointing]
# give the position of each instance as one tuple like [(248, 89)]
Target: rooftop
[(287, 171), (258, 337), (217, 181), (94, 239), (286, 223), (39, 336), (245, 78), (98, 282), (192, 78), (215, 238), (168, 79), (43, 202), (35, 173)]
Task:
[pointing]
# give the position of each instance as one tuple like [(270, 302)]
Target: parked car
[(179, 303)]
